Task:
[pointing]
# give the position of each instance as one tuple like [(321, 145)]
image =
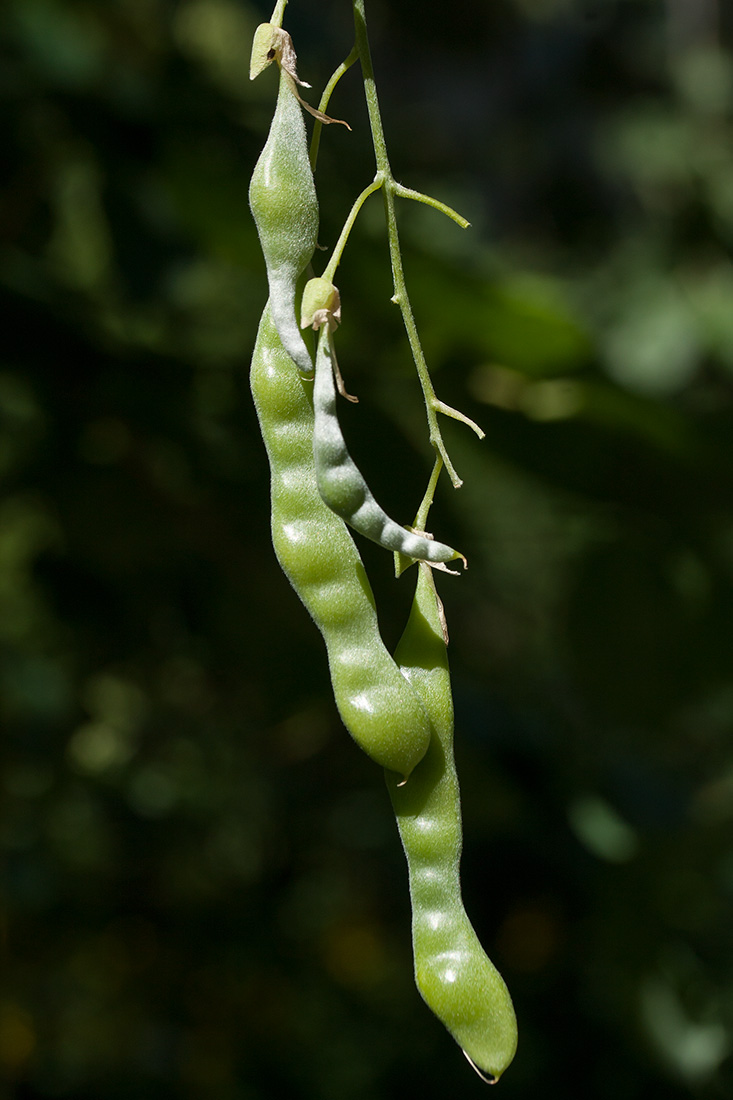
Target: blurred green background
[(203, 890)]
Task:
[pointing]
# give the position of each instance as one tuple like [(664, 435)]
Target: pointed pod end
[(489, 1080), (402, 563), (264, 48)]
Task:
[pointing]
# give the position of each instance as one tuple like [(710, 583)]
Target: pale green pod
[(456, 978), (282, 196), (318, 555), (341, 484)]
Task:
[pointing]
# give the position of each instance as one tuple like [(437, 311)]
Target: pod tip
[(484, 1077)]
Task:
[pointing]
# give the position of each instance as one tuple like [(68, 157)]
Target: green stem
[(348, 224), (401, 298), (327, 93), (370, 89), (421, 519), (408, 193), (401, 562), (278, 12)]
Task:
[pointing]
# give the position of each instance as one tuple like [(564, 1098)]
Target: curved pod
[(341, 484)]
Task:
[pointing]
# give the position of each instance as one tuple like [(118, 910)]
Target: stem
[(408, 193), (401, 298), (401, 562), (370, 89), (278, 12), (348, 224), (455, 414), (327, 93), (421, 519)]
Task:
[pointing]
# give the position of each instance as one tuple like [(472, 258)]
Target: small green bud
[(321, 304)]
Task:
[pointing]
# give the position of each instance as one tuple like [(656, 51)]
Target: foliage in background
[(203, 888)]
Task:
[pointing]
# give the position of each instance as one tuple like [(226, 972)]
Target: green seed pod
[(340, 482), (282, 196), (314, 548), (456, 978)]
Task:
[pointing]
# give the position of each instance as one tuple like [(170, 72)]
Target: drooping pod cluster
[(314, 548), (455, 976), (399, 710)]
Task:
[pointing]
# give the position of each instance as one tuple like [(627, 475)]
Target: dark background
[(204, 894)]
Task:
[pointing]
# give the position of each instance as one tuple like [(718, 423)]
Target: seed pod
[(455, 977), (341, 484), (318, 555), (282, 196)]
